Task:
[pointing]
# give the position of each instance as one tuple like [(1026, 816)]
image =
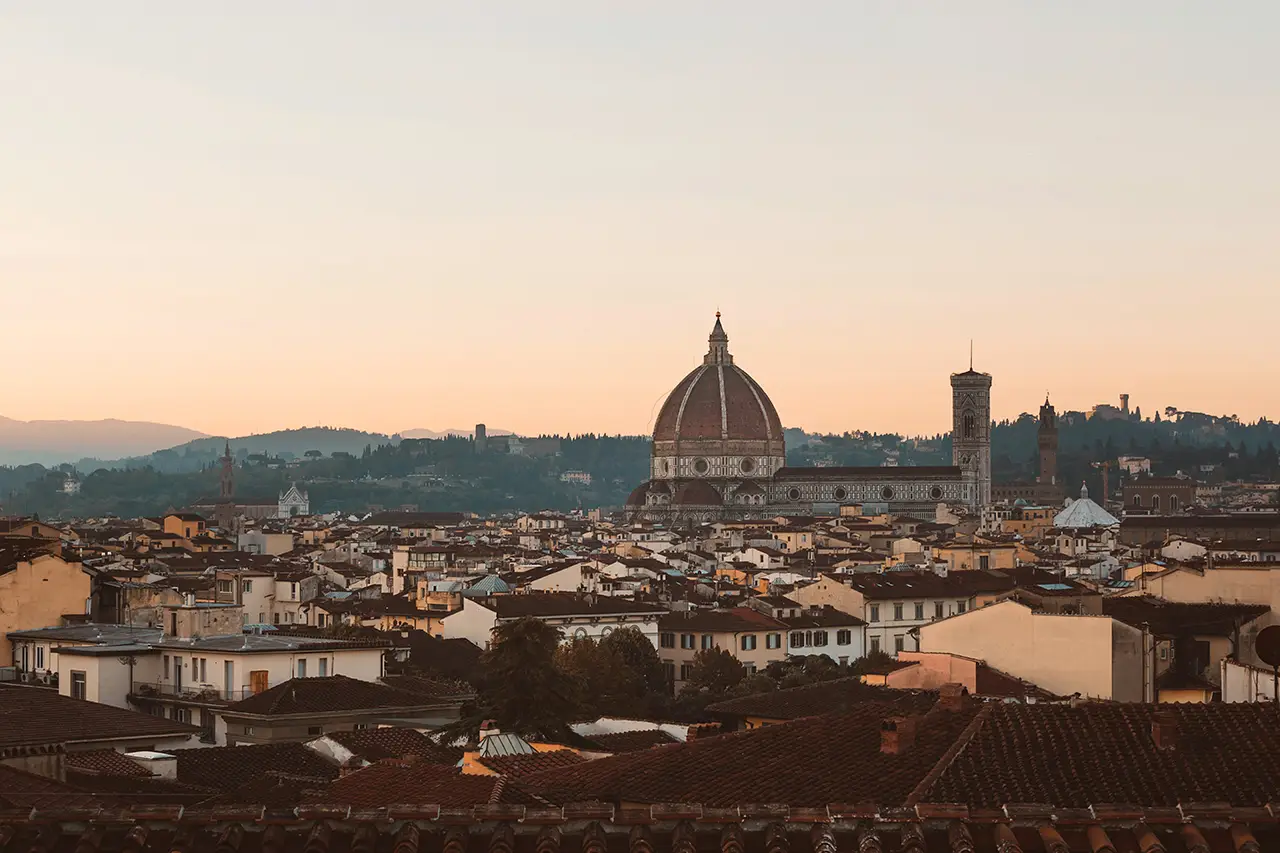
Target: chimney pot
[(1164, 730), (953, 697), (897, 735)]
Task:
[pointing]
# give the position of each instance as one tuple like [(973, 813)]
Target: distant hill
[(285, 444), (464, 433), (53, 442)]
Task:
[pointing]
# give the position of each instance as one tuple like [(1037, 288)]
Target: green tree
[(521, 687), (715, 671), (639, 655), (602, 681)]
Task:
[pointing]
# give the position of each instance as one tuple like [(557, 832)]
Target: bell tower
[(971, 432), (1047, 441)]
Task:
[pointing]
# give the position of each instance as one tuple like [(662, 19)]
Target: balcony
[(196, 694)]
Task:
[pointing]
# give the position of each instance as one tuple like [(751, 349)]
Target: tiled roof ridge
[(952, 753), (655, 813)]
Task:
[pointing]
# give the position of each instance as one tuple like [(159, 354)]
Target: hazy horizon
[(246, 218)]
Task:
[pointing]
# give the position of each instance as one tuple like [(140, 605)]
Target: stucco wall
[(37, 594), (1062, 654)]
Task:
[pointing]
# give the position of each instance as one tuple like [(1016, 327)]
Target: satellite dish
[(1268, 645)]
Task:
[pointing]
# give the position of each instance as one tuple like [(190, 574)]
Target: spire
[(718, 351), (1084, 490)]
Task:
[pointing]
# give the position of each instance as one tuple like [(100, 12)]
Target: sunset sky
[(244, 216)]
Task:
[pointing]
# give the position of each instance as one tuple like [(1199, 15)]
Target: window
[(937, 610), (246, 587), (969, 422), (322, 667), (819, 638), (1155, 501), (961, 606), (773, 641), (708, 641), (302, 667), (686, 671), (1137, 500), (797, 640), (314, 730), (204, 670), (875, 646), (984, 562), (899, 642), (667, 639), (844, 637), (248, 730), (1164, 653), (875, 613), (748, 642), (580, 634), (897, 613), (1173, 503), (687, 641), (78, 685), (225, 587), (180, 715), (920, 610), (669, 670), (360, 726), (39, 657), (165, 664)]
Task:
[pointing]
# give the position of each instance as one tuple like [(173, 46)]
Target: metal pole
[(1275, 683)]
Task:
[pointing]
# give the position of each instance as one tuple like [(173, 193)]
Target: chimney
[(1164, 730), (351, 765), (699, 731), (161, 764), (487, 728), (897, 734), (953, 697)]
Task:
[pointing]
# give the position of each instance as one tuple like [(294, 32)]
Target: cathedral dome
[(718, 401)]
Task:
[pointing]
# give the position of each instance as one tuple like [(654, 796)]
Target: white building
[(293, 502), (575, 615)]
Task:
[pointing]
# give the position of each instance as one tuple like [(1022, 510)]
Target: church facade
[(718, 454)]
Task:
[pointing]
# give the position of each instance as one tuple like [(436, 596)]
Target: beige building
[(36, 591), (755, 639), (1095, 656)]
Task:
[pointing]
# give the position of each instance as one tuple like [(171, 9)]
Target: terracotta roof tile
[(387, 783), (1105, 753), (328, 693), (516, 766), (227, 768), (825, 697), (619, 742), (374, 745), (36, 715), (808, 763), (106, 761)]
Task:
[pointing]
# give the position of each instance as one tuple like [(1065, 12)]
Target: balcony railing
[(206, 694)]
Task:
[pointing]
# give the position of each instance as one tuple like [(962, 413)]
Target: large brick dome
[(718, 423), (718, 400)]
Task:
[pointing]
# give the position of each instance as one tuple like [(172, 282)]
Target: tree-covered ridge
[(449, 474)]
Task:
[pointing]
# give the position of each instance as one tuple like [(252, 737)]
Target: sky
[(246, 216)]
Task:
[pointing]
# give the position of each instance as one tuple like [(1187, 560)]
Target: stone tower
[(227, 483), (971, 432), (1047, 440)]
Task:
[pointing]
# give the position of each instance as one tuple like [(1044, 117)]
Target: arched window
[(1173, 503), (1155, 502), (1137, 500), (968, 424)]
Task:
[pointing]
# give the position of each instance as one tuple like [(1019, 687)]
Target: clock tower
[(971, 432)]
